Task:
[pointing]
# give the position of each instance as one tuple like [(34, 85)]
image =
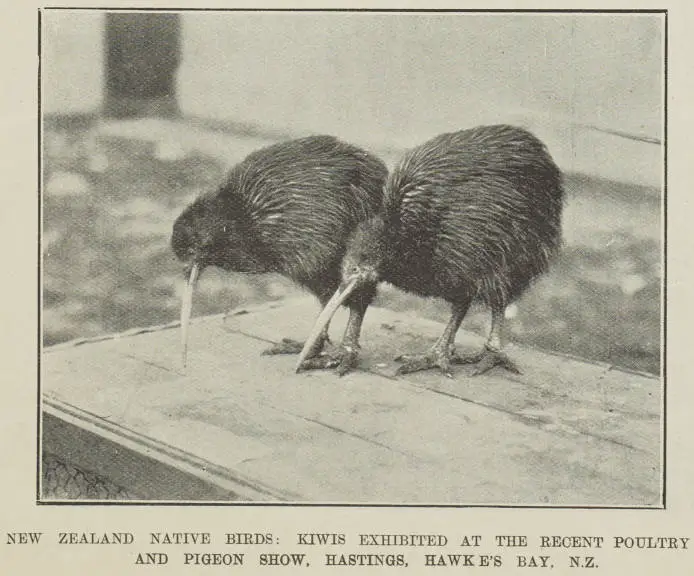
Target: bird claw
[(285, 346), (419, 362), (486, 360), (344, 360), (289, 346)]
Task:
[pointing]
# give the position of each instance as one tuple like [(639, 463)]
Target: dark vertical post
[(143, 50)]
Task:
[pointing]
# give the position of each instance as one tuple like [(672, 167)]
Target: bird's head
[(368, 253), (198, 234), (212, 231)]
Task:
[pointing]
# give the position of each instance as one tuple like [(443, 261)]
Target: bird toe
[(488, 359), (343, 360), (418, 363), (285, 346)]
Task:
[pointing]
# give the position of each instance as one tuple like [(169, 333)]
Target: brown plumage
[(470, 215), (288, 208)]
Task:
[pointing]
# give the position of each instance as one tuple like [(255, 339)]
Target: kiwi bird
[(289, 209), (469, 215)]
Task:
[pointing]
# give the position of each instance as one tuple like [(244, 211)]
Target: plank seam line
[(259, 308), (345, 432), (525, 419)]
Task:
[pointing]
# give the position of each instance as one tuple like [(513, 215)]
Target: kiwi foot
[(289, 346), (343, 359), (434, 358), (285, 346), (486, 360)]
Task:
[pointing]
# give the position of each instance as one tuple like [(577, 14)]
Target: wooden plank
[(555, 391), (150, 470), (566, 432)]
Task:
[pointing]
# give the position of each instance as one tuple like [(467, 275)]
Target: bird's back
[(304, 197), (479, 207)]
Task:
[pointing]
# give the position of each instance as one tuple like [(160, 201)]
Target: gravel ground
[(108, 208)]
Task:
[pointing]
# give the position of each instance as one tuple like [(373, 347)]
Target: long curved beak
[(341, 294), (186, 309)]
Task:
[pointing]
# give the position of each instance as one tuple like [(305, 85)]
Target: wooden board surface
[(565, 433)]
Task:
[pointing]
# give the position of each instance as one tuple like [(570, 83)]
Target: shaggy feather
[(475, 212), (288, 208)]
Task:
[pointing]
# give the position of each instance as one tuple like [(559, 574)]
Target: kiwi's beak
[(341, 294), (186, 308)]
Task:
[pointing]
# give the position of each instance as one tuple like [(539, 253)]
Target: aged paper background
[(19, 362)]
